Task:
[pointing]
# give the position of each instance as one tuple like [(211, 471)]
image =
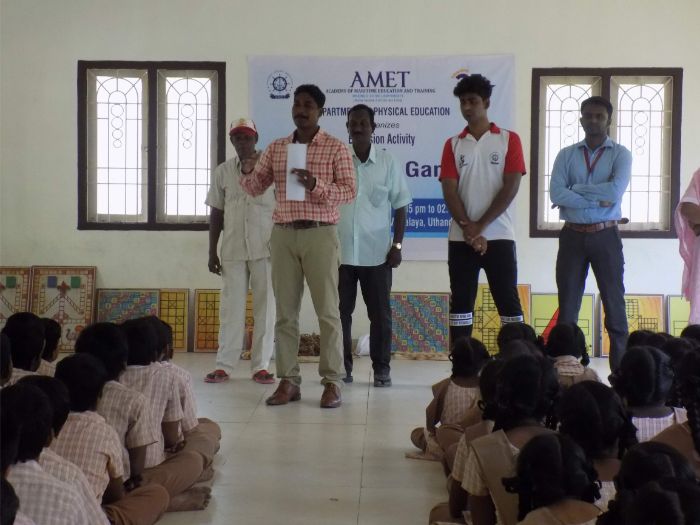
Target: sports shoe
[(217, 376), (264, 377), (382, 381)]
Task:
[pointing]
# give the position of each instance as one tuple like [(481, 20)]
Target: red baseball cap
[(243, 125)]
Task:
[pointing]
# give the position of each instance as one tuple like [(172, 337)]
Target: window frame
[(152, 68), (606, 75)]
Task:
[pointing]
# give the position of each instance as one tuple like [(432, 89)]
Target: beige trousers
[(313, 254), (142, 506), (204, 439), (177, 473)]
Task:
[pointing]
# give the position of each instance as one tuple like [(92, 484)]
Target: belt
[(303, 224), (590, 228)]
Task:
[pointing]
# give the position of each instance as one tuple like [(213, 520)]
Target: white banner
[(416, 113)]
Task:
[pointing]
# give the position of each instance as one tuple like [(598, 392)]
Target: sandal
[(217, 376), (264, 377)]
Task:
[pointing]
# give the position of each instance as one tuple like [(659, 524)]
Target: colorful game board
[(678, 313), (174, 309), (545, 312), (420, 323), (644, 312), (15, 285), (119, 305), (487, 322), (67, 295), (206, 320)]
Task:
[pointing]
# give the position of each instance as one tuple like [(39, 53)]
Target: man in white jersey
[(480, 176)]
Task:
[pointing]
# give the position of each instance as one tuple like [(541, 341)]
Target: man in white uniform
[(245, 259)]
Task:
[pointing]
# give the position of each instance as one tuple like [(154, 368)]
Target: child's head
[(665, 502), (84, 376), (142, 341), (688, 383), (567, 339), (468, 356), (518, 347), (550, 468), (526, 392), (517, 332), (9, 437), (644, 377), (639, 338), (692, 331), (58, 396), (26, 333), (593, 415), (30, 409), (169, 340), (652, 461), (5, 359), (10, 503), (107, 342), (52, 335), (161, 335)]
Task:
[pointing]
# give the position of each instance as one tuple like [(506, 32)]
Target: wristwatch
[(396, 245)]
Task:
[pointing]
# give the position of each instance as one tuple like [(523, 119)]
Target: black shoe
[(348, 378), (382, 381)]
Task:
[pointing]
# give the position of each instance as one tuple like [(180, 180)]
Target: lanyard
[(590, 166)]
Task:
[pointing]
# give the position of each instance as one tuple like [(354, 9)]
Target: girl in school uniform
[(566, 346)]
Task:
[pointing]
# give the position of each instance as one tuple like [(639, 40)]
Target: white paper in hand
[(296, 158)]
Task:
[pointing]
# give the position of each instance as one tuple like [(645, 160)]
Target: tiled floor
[(299, 464)]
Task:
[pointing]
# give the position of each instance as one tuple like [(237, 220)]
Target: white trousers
[(236, 276)]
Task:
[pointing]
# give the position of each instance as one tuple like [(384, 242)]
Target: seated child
[(555, 483), (566, 346), (594, 416), (52, 336), (454, 404), (88, 441), (518, 332), (179, 469), (667, 501), (26, 333), (200, 434), (685, 437), (644, 379), (9, 443), (43, 498)]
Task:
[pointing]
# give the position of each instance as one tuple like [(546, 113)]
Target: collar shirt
[(69, 473), (247, 220), (327, 159), (479, 166), (126, 411), (648, 427), (579, 191), (46, 368), (45, 499), (185, 390), (365, 223), (17, 374), (159, 386), (88, 441)]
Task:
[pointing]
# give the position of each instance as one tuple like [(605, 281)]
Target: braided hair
[(689, 390), (665, 502), (552, 467), (676, 348), (644, 463), (567, 339), (468, 356), (518, 332), (594, 416), (526, 388), (644, 376)]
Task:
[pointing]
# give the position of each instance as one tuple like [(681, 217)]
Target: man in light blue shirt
[(588, 181), (368, 253)]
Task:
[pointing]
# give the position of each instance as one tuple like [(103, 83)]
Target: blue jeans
[(602, 251)]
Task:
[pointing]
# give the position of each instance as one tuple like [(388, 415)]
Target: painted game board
[(174, 309), (487, 322), (545, 311), (15, 285), (677, 313), (420, 323), (119, 305), (206, 321), (644, 312), (67, 295)]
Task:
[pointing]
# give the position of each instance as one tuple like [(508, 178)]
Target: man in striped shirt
[(304, 242)]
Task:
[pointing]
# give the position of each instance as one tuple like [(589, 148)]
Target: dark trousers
[(603, 252), (499, 263), (375, 284)]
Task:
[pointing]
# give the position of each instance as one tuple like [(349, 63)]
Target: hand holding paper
[(296, 160)]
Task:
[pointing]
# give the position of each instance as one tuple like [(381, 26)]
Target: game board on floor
[(487, 322), (678, 313), (119, 305), (15, 285), (174, 309), (644, 312), (420, 323), (545, 312), (67, 295)]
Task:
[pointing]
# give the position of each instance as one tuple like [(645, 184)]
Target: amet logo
[(382, 79)]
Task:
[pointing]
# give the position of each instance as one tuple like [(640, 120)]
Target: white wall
[(42, 40)]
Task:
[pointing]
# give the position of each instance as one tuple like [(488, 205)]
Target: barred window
[(646, 120), (149, 134)]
